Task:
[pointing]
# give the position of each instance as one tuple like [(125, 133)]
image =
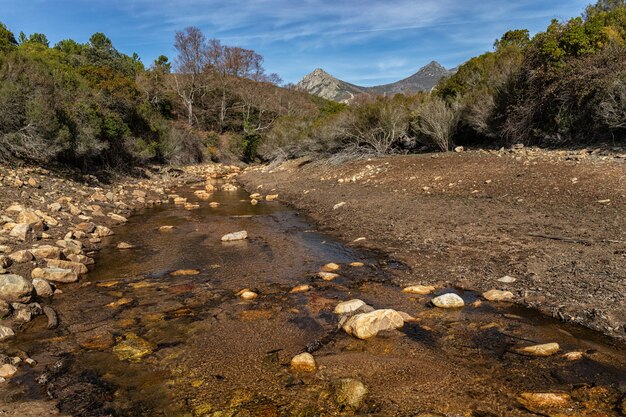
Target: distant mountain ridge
[(322, 84)]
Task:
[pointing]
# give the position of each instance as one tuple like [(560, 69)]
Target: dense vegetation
[(91, 106), (565, 86), (88, 105)]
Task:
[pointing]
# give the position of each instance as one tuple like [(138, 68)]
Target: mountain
[(322, 84)]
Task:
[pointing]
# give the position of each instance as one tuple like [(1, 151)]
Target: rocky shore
[(52, 224), (546, 227)]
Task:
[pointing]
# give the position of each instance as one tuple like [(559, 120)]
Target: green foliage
[(7, 38)]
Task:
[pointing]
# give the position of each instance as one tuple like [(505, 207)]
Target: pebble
[(7, 370), (574, 356), (247, 294), (449, 300), (271, 197), (330, 267), (498, 295), (547, 349), (125, 245), (507, 279), (300, 288), (184, 272), (419, 289), (304, 362), (230, 237), (327, 276), (165, 228), (356, 264)]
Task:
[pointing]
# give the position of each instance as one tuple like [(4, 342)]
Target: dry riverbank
[(554, 221)]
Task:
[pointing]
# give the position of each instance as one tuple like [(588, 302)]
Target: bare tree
[(190, 65), (612, 109), (436, 121)]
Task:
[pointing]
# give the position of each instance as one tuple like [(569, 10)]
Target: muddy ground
[(554, 220)]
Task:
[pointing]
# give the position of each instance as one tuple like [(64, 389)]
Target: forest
[(96, 108)]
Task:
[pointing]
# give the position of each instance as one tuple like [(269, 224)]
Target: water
[(201, 350)]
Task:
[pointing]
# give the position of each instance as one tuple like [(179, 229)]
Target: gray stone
[(15, 288), (42, 288), (235, 236)]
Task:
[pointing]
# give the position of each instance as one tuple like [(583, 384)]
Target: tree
[(39, 38), (100, 41), (190, 62), (7, 38), (518, 37), (436, 121)]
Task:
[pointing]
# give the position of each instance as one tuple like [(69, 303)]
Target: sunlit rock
[(304, 362), (366, 325), (449, 300), (498, 295), (419, 289), (547, 349), (230, 237)]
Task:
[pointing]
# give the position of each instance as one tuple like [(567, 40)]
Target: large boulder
[(366, 325), (15, 289)]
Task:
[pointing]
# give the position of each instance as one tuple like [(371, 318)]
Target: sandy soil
[(552, 220)]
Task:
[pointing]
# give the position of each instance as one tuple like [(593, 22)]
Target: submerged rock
[(350, 392), (235, 236), (125, 245), (330, 267), (547, 349), (366, 325), (449, 300), (304, 362), (419, 289), (539, 402), (133, 348), (498, 295)]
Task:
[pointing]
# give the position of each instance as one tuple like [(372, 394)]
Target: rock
[(327, 276), (574, 356), (51, 315), (330, 267), (86, 227), (46, 251), (366, 325), (125, 245), (300, 288), (498, 295), (55, 274), (21, 256), (7, 370), (449, 300), (356, 264), (214, 204), (120, 302), (541, 401), (346, 307), (117, 218), (96, 339), (339, 205), (5, 249), (77, 267), (103, 231), (184, 272), (419, 289), (15, 289), (547, 349), (304, 362), (254, 202), (6, 333), (271, 197), (228, 187), (5, 261), (350, 392), (82, 259), (235, 236), (5, 309), (507, 279), (247, 294), (459, 149), (133, 348), (31, 219), (42, 288), (21, 231), (71, 245), (166, 228)]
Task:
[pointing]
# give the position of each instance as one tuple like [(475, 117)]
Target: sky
[(364, 42)]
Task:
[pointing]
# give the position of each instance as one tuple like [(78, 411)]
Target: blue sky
[(361, 41)]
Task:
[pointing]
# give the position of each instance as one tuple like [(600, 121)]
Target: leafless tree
[(190, 65), (436, 121)]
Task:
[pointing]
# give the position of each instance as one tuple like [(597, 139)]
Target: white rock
[(6, 333), (230, 237), (507, 279), (498, 295), (366, 325), (349, 306), (546, 349), (419, 289), (449, 300)]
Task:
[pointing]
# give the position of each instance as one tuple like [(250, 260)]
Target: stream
[(158, 330)]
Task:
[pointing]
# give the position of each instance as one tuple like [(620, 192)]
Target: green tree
[(39, 38), (7, 38)]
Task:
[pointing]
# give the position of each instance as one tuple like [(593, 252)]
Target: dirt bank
[(554, 221)]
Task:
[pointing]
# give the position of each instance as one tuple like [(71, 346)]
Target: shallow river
[(137, 340)]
